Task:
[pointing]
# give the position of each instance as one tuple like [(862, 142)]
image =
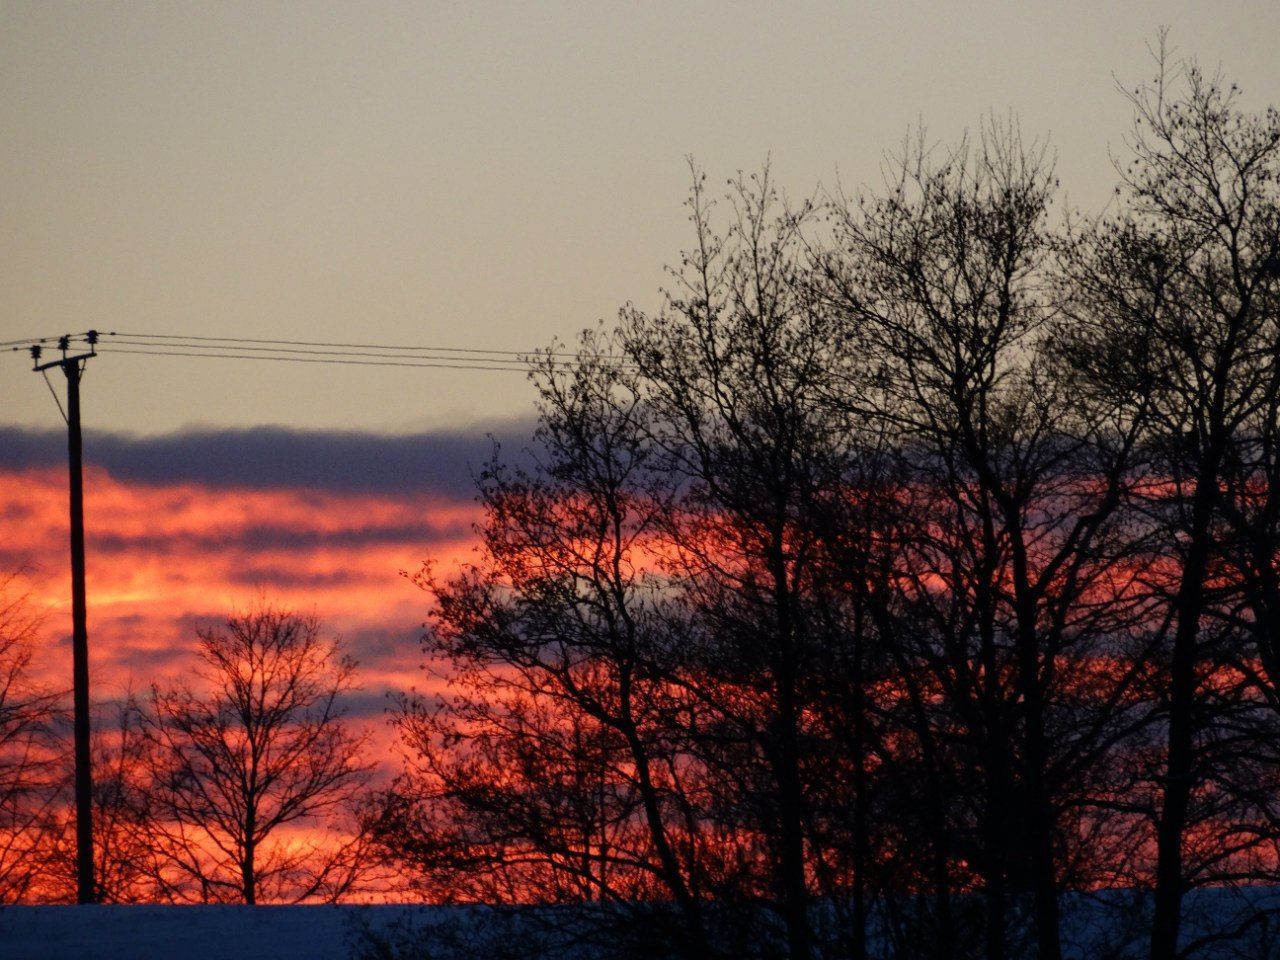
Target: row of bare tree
[(242, 784), (912, 571)]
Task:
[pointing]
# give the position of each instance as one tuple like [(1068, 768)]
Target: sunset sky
[(471, 175), (185, 528)]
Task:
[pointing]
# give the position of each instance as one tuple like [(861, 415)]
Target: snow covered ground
[(184, 933), (1108, 925)]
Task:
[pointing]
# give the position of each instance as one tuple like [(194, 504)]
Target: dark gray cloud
[(376, 649), (280, 576), (442, 462), (392, 643), (260, 537), (368, 704)]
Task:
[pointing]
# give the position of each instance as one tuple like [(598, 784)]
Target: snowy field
[(1103, 926), (184, 933)]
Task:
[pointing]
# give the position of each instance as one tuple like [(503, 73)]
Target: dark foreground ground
[(182, 933), (1106, 926)]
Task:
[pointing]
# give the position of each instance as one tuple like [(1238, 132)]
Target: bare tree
[(644, 621), (124, 855), (254, 773), (556, 656), (1012, 482), (1184, 281), (737, 369), (123, 852)]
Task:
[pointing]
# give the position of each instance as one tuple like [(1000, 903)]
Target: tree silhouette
[(913, 566), (248, 766)]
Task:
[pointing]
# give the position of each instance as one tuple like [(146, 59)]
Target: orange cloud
[(166, 558)]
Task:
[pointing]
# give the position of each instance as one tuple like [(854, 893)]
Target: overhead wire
[(203, 348), (33, 341), (331, 360), (326, 352), (352, 346)]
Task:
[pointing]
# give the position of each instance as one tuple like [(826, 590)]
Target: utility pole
[(73, 368)]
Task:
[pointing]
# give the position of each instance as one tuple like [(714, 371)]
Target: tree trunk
[(861, 841), (1189, 605), (248, 874), (995, 824), (1039, 819)]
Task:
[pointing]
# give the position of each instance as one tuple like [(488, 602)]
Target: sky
[(475, 174), (489, 175)]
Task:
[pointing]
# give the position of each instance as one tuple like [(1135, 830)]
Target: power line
[(203, 348), (332, 360), (354, 346), (315, 351), (32, 341)]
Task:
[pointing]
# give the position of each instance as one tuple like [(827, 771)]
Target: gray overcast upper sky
[(474, 174)]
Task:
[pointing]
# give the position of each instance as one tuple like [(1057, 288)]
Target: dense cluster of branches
[(240, 785), (913, 567)]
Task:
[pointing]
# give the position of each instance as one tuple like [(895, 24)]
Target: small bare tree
[(121, 806), (253, 770), (122, 847)]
